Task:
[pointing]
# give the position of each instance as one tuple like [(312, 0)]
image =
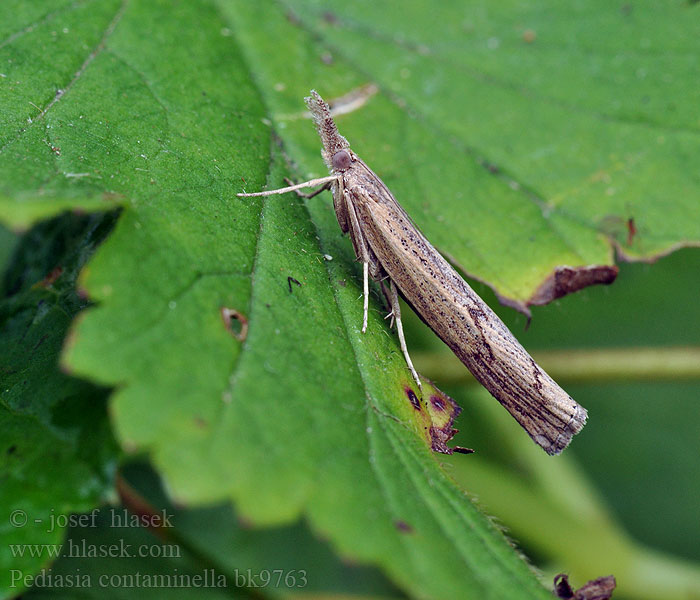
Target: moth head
[(341, 160), (333, 142)]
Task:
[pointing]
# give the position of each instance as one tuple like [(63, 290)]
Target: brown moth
[(391, 248)]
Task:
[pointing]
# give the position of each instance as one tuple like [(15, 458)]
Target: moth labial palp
[(390, 246)]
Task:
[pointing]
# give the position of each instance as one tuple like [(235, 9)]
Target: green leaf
[(257, 424), (519, 138), (51, 152), (210, 542), (57, 450), (504, 157)]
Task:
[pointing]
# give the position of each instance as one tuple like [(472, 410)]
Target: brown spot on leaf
[(597, 589), (566, 280), (631, 231), (435, 413), (51, 278), (330, 18), (235, 322), (529, 36), (491, 167), (620, 230), (437, 402), (292, 18), (443, 412), (413, 398), (403, 527)]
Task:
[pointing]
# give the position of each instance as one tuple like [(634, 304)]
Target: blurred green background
[(519, 137)]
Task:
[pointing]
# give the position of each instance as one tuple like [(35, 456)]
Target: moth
[(394, 252)]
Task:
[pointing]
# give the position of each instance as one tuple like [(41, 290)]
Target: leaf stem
[(605, 364)]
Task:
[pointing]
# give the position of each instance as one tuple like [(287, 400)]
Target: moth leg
[(374, 269), (396, 311), (316, 192), (291, 188), (347, 217), (362, 252), (371, 268), (385, 291), (365, 292)]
